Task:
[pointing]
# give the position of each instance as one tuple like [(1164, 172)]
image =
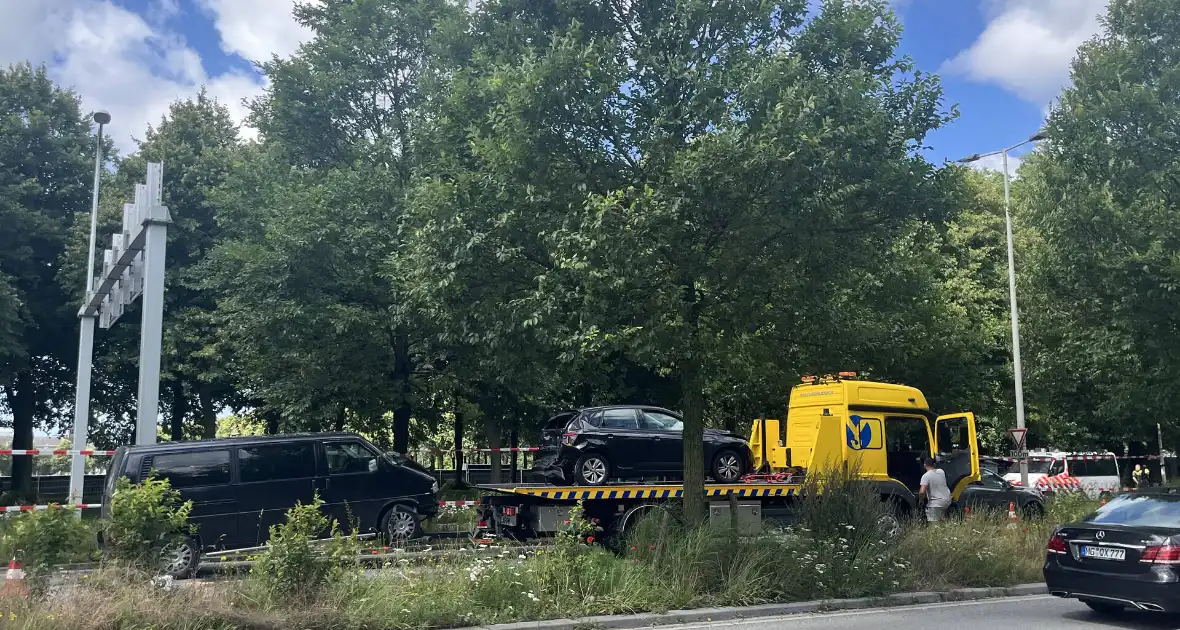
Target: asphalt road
[(1042, 612)]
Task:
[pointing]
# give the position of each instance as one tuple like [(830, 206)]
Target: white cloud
[(996, 163), (1028, 45), (133, 65), (255, 29)]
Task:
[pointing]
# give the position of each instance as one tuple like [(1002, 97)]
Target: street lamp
[(86, 333), (1019, 384)]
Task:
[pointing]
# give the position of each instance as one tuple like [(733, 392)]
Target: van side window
[(276, 461), (1104, 467), (347, 457), (1056, 468), (198, 468)]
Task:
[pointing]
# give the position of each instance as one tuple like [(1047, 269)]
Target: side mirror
[(372, 465)]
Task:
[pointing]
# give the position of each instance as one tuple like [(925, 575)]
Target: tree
[(1102, 197), (682, 184), (46, 167), (307, 302)]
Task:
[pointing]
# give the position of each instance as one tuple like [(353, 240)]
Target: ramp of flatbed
[(642, 491)]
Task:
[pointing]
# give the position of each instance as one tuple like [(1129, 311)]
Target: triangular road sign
[(1018, 436)]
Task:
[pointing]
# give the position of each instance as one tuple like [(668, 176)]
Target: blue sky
[(1001, 61)]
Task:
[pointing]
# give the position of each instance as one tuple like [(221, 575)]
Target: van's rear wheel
[(181, 559), (401, 523)]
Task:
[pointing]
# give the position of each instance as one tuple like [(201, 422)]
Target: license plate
[(1104, 553)]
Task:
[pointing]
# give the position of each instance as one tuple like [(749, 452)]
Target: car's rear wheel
[(401, 523), (591, 469), (1105, 608), (728, 467)]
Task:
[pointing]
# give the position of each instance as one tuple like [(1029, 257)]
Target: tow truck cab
[(881, 431)]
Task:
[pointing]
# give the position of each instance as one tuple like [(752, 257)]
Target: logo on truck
[(862, 433)]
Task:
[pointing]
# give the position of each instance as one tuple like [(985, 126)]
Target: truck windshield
[(1039, 466)]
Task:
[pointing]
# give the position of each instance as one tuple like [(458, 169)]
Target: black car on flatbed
[(1125, 555), (591, 446)]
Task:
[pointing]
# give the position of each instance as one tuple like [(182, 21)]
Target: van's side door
[(272, 478), (203, 477), (354, 490)]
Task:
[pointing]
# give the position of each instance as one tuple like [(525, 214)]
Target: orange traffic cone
[(14, 582), (1013, 518)]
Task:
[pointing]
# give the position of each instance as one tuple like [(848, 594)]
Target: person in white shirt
[(934, 492)]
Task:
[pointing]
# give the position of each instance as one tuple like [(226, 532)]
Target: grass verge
[(663, 566)]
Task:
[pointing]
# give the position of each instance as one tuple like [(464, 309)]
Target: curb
[(646, 620)]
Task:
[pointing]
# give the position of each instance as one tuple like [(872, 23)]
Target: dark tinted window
[(1139, 511), (276, 461), (618, 419), (199, 468), (1079, 468), (657, 421), (990, 479), (348, 457), (1098, 468)]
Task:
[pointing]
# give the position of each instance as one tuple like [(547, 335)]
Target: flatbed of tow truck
[(669, 490)]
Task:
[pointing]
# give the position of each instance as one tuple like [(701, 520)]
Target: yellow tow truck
[(880, 432)]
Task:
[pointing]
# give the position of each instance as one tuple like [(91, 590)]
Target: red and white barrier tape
[(31, 508), (521, 449), (58, 452), (1074, 458)]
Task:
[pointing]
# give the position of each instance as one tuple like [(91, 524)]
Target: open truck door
[(956, 450)]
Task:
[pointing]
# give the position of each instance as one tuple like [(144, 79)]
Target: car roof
[(603, 407), (244, 440)]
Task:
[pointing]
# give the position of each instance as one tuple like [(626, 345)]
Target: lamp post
[(86, 335), (1016, 368)]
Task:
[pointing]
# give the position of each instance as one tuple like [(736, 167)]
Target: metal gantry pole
[(155, 224), (1016, 366), (86, 337)]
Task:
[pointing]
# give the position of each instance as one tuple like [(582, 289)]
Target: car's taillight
[(569, 437), (1057, 544), (1167, 554), (510, 511)]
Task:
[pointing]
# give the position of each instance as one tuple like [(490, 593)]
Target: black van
[(239, 487)]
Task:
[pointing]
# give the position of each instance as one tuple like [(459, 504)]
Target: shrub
[(145, 519), (45, 539), (292, 565), (1069, 507)]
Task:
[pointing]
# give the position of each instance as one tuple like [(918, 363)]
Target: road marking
[(866, 611)]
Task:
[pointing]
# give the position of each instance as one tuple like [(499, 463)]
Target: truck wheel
[(728, 467), (401, 523), (591, 469)]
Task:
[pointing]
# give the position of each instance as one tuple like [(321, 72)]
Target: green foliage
[(1102, 273), (145, 519), (46, 170), (43, 540), (294, 565)]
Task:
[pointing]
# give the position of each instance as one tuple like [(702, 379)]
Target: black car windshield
[(1143, 510)]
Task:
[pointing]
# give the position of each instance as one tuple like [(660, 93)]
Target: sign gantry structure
[(133, 267)]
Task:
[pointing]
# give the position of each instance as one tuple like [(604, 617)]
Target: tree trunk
[(272, 421), (179, 410), (403, 366), (21, 399), (208, 412), (458, 445), (491, 427), (692, 401), (338, 422)]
